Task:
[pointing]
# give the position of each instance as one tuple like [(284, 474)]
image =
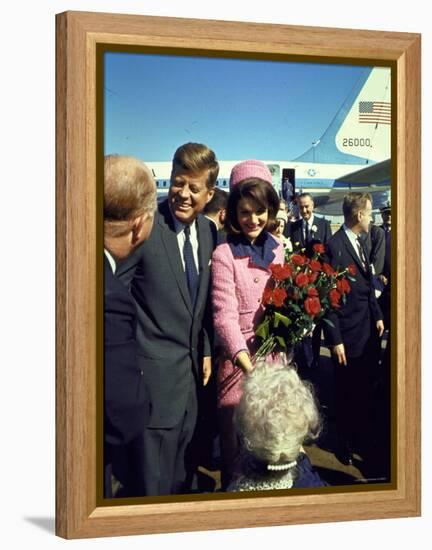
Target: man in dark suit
[(304, 233), (357, 327), (215, 210), (129, 205), (385, 275), (169, 277), (310, 229)]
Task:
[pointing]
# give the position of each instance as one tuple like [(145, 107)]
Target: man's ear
[(210, 195), (136, 228)]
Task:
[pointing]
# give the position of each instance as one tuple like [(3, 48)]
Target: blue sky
[(240, 108)]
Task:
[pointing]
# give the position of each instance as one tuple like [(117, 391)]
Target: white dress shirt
[(110, 260), (310, 223), (353, 238)]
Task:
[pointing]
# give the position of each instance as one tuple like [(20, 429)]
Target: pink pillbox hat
[(249, 169)]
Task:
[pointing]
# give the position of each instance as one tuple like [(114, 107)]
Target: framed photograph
[(142, 86)]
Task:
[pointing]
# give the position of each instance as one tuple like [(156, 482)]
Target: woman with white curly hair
[(276, 415)]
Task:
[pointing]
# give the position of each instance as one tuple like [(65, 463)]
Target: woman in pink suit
[(240, 272)]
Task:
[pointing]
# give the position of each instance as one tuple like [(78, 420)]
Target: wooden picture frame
[(79, 296)]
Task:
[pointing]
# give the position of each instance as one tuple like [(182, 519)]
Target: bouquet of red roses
[(299, 293)]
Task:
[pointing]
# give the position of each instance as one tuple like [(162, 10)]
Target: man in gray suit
[(169, 277)]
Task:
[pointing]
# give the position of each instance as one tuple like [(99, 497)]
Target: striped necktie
[(190, 267), (361, 253)]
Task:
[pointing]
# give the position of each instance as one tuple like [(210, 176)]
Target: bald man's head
[(129, 193)]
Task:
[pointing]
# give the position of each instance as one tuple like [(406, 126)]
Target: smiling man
[(169, 277), (310, 229)]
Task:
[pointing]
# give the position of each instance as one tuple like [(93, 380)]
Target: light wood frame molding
[(78, 513)]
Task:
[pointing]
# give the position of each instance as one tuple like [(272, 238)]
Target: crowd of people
[(184, 281)]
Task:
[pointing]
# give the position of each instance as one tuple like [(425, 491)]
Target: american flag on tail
[(375, 112)]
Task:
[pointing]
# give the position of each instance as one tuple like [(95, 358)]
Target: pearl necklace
[(278, 467)]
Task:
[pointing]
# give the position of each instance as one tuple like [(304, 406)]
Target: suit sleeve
[(332, 334), (327, 232), (378, 249), (225, 303), (208, 330), (374, 305)]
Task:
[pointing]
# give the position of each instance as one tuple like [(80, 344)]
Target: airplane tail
[(360, 131)]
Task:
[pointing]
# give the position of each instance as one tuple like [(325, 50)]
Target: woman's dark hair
[(258, 191)]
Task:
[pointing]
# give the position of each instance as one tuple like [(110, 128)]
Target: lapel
[(169, 239), (318, 233), (298, 232), (352, 252)]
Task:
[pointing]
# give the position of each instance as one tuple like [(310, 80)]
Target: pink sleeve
[(225, 304)]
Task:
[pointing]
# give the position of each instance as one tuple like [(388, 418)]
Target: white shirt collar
[(110, 260), (179, 226)]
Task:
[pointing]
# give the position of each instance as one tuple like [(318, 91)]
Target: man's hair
[(218, 202), (305, 195), (129, 192), (353, 203), (276, 414), (196, 157), (258, 191)]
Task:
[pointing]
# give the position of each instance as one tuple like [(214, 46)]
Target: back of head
[(353, 203), (195, 158), (129, 192), (217, 203), (276, 414)]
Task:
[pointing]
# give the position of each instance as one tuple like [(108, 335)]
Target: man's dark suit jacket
[(375, 243), (172, 336), (321, 235), (355, 320), (126, 407)]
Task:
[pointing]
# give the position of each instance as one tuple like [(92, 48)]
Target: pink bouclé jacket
[(237, 289)]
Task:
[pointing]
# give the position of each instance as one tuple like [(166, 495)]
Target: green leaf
[(263, 330), (328, 322), (281, 341), (279, 318)]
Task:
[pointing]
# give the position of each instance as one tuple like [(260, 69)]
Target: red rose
[(279, 295), (267, 296), (312, 306), (352, 270), (343, 286), (328, 270), (312, 292), (302, 280), (312, 277), (335, 297), (319, 248), (315, 265), (287, 271), (298, 259), (281, 272)]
